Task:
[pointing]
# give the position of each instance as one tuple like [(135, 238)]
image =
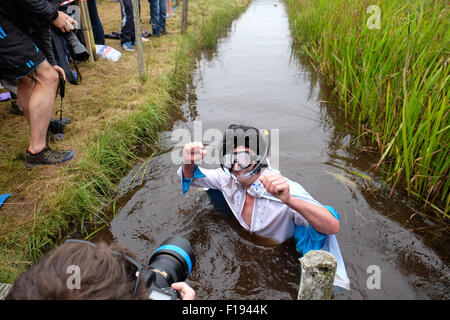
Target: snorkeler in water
[(262, 200)]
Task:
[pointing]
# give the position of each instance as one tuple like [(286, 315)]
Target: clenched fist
[(277, 185), (193, 152)]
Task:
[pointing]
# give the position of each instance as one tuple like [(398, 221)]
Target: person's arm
[(43, 39), (47, 12), (190, 173), (42, 8), (192, 152), (317, 216)]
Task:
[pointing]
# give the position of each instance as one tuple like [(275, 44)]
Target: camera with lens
[(77, 49), (172, 262)]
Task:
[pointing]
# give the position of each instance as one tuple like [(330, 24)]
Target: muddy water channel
[(254, 78)]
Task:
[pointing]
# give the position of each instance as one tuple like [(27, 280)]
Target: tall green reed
[(393, 81)]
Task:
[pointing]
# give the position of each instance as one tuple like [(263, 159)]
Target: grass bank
[(392, 78), (115, 120)]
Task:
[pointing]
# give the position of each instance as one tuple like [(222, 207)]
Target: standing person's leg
[(162, 15), (36, 92), (24, 87), (97, 28), (36, 95), (22, 61), (154, 17), (131, 17), (127, 36)]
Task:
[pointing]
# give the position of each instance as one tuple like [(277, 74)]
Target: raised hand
[(193, 152)]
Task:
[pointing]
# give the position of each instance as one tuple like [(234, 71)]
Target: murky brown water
[(254, 78)]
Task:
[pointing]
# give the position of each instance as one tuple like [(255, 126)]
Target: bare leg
[(24, 89), (36, 94)]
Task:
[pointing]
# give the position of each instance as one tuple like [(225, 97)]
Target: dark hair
[(103, 275), (240, 135)]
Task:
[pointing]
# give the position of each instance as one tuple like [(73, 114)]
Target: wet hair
[(240, 135), (103, 275)]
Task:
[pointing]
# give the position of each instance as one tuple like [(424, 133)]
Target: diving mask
[(244, 160)]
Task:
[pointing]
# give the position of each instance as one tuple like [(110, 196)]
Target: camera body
[(164, 294), (171, 262)]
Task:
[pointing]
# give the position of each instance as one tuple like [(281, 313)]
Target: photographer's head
[(81, 270), (244, 152), (104, 271)]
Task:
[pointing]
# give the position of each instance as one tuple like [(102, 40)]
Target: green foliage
[(392, 80)]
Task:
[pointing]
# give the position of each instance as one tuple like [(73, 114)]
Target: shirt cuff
[(186, 182)]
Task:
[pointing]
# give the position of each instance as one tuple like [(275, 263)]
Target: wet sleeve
[(307, 238), (299, 220), (300, 193), (207, 178)]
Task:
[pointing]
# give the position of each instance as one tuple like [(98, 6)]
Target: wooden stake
[(85, 28), (90, 31), (184, 17), (318, 271)]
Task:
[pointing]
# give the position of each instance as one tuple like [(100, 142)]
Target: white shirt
[(271, 218)]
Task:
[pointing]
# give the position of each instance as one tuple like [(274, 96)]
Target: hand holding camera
[(186, 292), (64, 22)]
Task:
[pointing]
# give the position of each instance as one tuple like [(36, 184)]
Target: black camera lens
[(78, 49), (172, 262)]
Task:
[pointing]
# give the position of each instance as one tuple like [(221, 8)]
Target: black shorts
[(19, 56)]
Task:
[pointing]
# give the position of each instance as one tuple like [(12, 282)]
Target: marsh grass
[(115, 124), (392, 81)]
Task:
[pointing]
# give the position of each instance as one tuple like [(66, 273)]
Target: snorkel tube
[(259, 164)]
